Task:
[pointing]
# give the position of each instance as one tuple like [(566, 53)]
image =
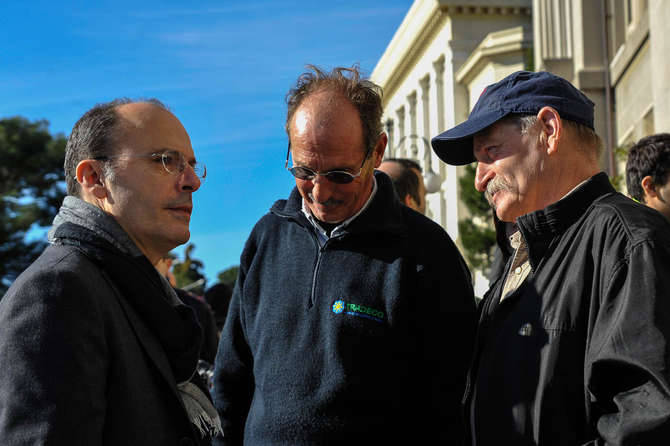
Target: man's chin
[(505, 215), (326, 216), (180, 238)]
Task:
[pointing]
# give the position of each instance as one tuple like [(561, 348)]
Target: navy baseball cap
[(523, 92)]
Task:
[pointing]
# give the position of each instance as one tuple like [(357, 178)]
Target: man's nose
[(188, 180), (321, 188), (483, 175)]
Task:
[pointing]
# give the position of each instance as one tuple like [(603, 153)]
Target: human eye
[(340, 176), (302, 172), (492, 152), (171, 160)]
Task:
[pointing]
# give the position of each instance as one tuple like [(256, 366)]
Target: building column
[(399, 151), (390, 148), (412, 150), (437, 200)]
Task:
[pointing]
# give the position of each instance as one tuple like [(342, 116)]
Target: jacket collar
[(540, 227), (383, 214)]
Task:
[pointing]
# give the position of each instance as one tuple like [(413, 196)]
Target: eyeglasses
[(334, 176), (173, 162)]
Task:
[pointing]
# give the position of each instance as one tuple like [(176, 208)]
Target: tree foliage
[(32, 188), (189, 271), (478, 239), (229, 276)]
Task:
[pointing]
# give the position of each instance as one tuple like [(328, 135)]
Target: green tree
[(32, 188), (188, 272), (477, 234), (620, 156), (229, 275)]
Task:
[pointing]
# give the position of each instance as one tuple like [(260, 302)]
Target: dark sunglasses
[(335, 176)]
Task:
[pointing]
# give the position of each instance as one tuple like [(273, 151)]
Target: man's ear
[(379, 149), (550, 128), (648, 187), (90, 178), (410, 203)]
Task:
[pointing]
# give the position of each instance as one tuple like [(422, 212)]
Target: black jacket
[(364, 341), (80, 364), (579, 353)]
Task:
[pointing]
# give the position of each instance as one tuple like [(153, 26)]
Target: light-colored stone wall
[(634, 97), (422, 96), (659, 32)]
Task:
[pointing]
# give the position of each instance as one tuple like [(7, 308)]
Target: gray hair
[(589, 141)]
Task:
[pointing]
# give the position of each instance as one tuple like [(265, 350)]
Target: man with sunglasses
[(96, 348), (352, 317)]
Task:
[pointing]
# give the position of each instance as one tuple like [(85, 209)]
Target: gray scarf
[(200, 410)]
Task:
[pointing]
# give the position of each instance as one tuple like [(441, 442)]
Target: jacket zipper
[(312, 298), (320, 250)]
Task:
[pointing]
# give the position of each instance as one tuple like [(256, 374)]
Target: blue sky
[(222, 67)]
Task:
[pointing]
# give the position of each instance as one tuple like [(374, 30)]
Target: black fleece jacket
[(365, 340)]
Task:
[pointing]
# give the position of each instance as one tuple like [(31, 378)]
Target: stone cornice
[(494, 44), (409, 41), (417, 30)]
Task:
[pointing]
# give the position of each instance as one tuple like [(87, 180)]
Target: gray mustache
[(493, 186)]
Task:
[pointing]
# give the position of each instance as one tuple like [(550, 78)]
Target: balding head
[(362, 94), (94, 135)]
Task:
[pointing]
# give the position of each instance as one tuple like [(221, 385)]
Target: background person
[(648, 172), (407, 181), (203, 312), (218, 297)]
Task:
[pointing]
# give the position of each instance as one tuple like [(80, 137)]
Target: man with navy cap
[(573, 338)]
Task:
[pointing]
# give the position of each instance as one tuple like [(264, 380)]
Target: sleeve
[(233, 370), (447, 340), (54, 361), (627, 368)]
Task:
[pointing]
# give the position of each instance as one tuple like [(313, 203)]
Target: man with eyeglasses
[(352, 317), (95, 347)]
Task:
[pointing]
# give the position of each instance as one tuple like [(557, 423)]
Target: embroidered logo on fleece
[(340, 306)]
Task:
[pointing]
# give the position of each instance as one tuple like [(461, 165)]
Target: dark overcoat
[(78, 366)]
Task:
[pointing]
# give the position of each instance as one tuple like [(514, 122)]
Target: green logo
[(340, 307)]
